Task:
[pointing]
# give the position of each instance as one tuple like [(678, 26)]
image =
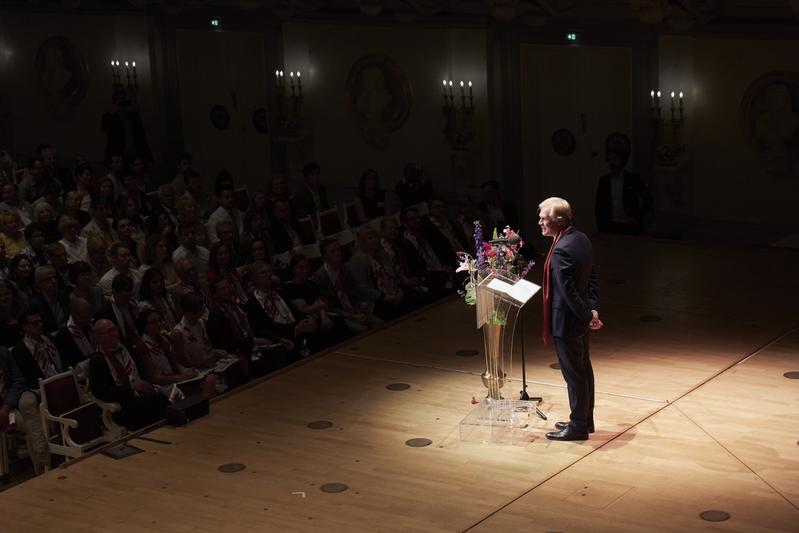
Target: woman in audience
[(97, 256), (187, 211), (36, 249), (72, 207), (161, 222), (159, 361), (130, 207), (105, 190), (84, 180), (158, 255), (12, 236), (132, 189), (20, 274), (372, 201), (153, 295), (191, 336), (84, 283), (44, 215), (221, 266), (10, 307), (256, 225)]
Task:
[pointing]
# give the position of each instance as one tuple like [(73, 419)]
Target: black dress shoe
[(564, 425), (567, 434)]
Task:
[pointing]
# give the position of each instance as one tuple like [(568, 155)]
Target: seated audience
[(189, 284), (14, 204), (191, 335), (51, 302), (198, 255), (398, 254), (100, 225), (72, 208), (10, 307), (413, 188), (159, 362), (12, 235), (284, 231), (36, 355), (75, 340), (73, 242), (57, 258), (371, 201), (121, 263), (84, 285), (20, 274), (114, 377), (36, 249), (122, 310), (157, 254), (220, 266), (339, 291), (153, 295), (44, 214), (496, 212), (225, 212), (124, 231), (311, 196), (18, 399), (97, 256)]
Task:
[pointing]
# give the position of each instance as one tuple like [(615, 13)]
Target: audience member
[(96, 255), (51, 303), (122, 310), (12, 235), (57, 258), (72, 241), (622, 200), (75, 340), (100, 225), (10, 308), (35, 355), (20, 274), (413, 188), (13, 203), (284, 232), (371, 201), (84, 285), (36, 249), (495, 211), (375, 285), (184, 168), (225, 212), (198, 255), (153, 295), (220, 266), (311, 196), (157, 255)]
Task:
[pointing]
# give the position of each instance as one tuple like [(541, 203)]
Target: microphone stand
[(523, 393)]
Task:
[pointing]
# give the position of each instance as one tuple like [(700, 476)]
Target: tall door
[(222, 83), (584, 94)]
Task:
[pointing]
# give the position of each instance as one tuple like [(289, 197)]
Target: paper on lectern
[(521, 291)]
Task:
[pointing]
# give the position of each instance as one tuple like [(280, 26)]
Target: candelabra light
[(667, 147), (458, 130), (289, 103), (130, 86)]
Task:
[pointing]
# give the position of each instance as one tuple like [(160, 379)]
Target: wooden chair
[(329, 222), (82, 422)]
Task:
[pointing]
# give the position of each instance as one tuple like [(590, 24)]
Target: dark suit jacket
[(107, 312), (40, 304), (441, 245), (14, 380), (263, 326), (69, 351), (328, 291), (636, 200), (221, 334), (304, 203), (574, 285), (28, 367), (280, 237)]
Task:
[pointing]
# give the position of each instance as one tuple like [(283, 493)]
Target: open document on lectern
[(521, 291)]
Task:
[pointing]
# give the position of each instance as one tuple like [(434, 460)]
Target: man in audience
[(51, 303), (57, 257), (496, 212), (36, 356), (437, 272), (74, 244), (273, 316), (311, 197), (122, 310), (189, 284), (116, 172), (167, 202), (60, 174), (225, 212), (184, 166), (114, 377), (33, 186), (121, 263), (17, 400), (416, 279), (12, 202), (124, 230), (227, 236), (194, 188), (188, 249), (75, 340), (338, 289), (622, 199), (444, 235), (413, 188), (284, 232), (99, 225)]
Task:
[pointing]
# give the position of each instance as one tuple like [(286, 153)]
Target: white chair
[(82, 422)]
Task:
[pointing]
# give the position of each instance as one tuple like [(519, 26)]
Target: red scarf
[(547, 332)]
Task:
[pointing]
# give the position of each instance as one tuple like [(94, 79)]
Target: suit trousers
[(29, 420), (575, 365)]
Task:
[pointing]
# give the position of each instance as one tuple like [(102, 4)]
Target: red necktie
[(547, 332)]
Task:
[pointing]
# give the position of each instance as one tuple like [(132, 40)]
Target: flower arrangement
[(501, 255)]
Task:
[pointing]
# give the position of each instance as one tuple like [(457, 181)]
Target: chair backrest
[(61, 393), (307, 231), (329, 222), (352, 215)]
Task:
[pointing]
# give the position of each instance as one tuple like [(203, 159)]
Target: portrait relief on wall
[(380, 97), (63, 75), (770, 119)]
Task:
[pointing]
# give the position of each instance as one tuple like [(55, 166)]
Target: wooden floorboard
[(693, 413)]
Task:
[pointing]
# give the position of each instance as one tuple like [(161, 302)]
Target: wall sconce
[(131, 85), (667, 150), (458, 129), (289, 106)]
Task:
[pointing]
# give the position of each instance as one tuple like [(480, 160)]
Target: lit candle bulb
[(445, 87), (462, 93), (658, 100), (470, 89), (672, 99), (652, 98), (680, 98), (299, 82), (450, 88)]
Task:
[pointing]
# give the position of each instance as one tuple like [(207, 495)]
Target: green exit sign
[(571, 37)]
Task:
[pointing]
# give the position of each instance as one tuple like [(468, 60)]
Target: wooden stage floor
[(693, 413)]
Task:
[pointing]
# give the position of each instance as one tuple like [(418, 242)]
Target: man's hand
[(143, 386), (595, 322), (287, 344)]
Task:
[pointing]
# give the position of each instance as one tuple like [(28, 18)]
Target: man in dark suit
[(571, 294), (36, 356), (51, 302), (622, 198)]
